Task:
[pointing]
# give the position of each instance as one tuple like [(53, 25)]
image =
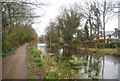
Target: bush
[(100, 45), (116, 44), (10, 50), (109, 45), (101, 40), (6, 43), (76, 40)]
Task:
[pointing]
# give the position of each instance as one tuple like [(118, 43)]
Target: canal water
[(89, 65)]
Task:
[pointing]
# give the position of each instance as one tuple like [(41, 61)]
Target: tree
[(97, 21), (106, 12), (86, 27), (92, 22), (52, 33), (68, 22), (16, 24)]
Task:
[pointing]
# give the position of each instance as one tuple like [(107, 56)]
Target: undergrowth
[(53, 70)]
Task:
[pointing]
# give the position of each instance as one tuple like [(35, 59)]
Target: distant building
[(108, 34), (113, 35), (119, 17), (117, 33), (61, 40)]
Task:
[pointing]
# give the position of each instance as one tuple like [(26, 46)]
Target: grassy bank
[(45, 67), (34, 63), (106, 51), (57, 70), (11, 50)]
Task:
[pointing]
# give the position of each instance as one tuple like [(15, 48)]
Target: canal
[(88, 65)]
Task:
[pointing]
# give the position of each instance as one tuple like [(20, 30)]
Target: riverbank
[(59, 62), (105, 51), (33, 63), (50, 69)]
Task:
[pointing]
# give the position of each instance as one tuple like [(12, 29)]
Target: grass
[(109, 51), (39, 64), (52, 70), (34, 52), (9, 52), (35, 63), (45, 63), (104, 48), (52, 75), (57, 70)]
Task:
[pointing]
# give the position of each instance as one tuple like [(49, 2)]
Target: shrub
[(109, 45), (100, 45), (76, 40), (116, 44), (101, 40)]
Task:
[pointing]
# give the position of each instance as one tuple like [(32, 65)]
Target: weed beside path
[(45, 67)]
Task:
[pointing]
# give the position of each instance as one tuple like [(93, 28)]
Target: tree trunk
[(91, 38), (104, 21)]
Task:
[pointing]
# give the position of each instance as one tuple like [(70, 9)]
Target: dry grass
[(115, 52), (56, 70)]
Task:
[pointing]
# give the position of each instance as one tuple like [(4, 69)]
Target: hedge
[(109, 45)]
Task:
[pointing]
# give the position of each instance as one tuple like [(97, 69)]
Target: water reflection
[(112, 68), (90, 65), (61, 52), (43, 48)]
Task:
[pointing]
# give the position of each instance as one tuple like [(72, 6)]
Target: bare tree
[(107, 13), (93, 21), (97, 14)]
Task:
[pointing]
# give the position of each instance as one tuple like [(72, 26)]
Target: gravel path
[(14, 65)]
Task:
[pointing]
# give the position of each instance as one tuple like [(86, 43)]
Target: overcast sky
[(52, 10)]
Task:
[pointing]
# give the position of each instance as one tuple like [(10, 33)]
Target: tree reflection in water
[(90, 65)]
